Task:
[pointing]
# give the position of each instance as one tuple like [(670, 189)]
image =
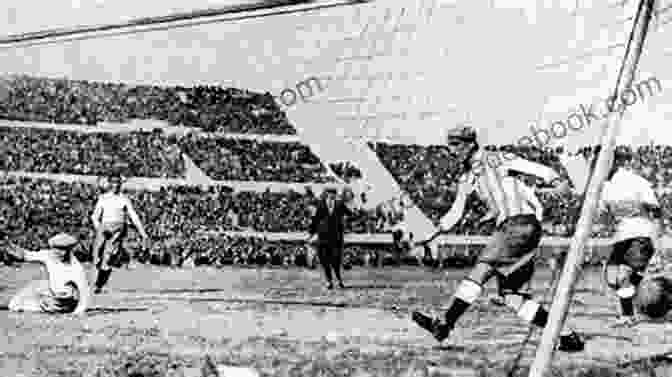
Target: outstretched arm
[(522, 165), (97, 215), (456, 211), (136, 221), (548, 175), (25, 254)]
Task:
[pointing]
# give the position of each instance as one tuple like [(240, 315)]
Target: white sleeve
[(531, 197), (37, 256), (97, 212), (647, 194), (528, 167), (604, 196), (456, 211)]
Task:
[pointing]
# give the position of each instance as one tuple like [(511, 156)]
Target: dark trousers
[(331, 258)]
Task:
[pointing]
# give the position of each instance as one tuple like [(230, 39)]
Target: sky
[(418, 68)]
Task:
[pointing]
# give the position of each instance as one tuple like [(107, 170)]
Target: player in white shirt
[(110, 218), (65, 291), (630, 201), (511, 255)]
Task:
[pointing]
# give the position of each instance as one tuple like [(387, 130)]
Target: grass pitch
[(155, 321)]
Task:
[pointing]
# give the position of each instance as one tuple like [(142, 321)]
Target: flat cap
[(62, 241), (464, 133)]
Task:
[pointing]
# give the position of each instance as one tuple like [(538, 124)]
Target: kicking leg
[(466, 294), (28, 298)]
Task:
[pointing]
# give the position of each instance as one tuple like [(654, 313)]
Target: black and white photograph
[(336, 188)]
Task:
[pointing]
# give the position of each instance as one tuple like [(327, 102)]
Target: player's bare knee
[(618, 277), (514, 301), (612, 274), (481, 273)]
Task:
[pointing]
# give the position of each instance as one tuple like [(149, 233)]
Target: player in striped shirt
[(511, 255)]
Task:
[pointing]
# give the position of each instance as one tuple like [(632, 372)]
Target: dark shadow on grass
[(450, 347), (598, 292), (348, 305), (270, 302), (653, 321), (372, 286), (175, 291), (100, 311), (657, 360), (595, 315), (588, 336)]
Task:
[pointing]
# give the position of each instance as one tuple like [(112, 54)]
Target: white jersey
[(61, 274), (624, 196), (112, 209)]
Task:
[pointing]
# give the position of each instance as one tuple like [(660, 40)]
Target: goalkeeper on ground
[(65, 290)]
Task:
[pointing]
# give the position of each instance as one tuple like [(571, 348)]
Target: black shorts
[(516, 237), (513, 251), (633, 252)]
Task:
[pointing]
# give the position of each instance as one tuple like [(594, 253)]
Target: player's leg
[(28, 299), (468, 291), (64, 303), (337, 263), (112, 238), (625, 266), (524, 236), (97, 247), (323, 251)]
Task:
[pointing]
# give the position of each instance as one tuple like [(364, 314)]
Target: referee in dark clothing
[(327, 228)]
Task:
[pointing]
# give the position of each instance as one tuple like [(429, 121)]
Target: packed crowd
[(346, 170), (155, 154), (41, 150), (210, 108), (654, 162), (252, 160), (33, 209)]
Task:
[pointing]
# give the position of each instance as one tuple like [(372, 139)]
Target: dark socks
[(540, 318), (102, 278), (636, 278), (456, 310), (627, 307)]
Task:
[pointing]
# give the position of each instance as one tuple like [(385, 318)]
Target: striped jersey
[(505, 196)]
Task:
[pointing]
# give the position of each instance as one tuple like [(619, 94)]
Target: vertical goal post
[(560, 305)]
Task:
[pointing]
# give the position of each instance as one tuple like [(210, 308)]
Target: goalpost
[(560, 305)]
